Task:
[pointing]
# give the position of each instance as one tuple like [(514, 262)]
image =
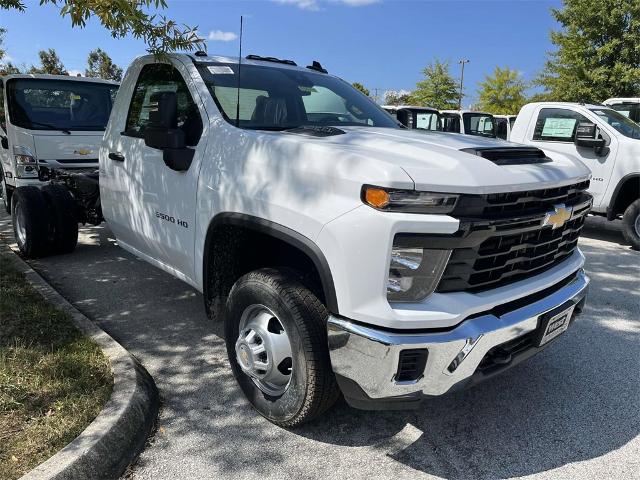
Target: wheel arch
[(627, 190), (230, 223)]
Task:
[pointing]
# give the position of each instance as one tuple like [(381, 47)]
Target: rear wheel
[(631, 224), (63, 217), (275, 331), (31, 223)]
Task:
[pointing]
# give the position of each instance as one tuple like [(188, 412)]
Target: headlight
[(408, 201), (24, 159), (414, 273)]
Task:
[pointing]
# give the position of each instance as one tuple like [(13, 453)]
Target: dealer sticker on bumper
[(555, 325)]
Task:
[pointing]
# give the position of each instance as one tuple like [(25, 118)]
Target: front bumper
[(365, 359)]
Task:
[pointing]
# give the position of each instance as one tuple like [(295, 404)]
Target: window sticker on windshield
[(558, 127), (73, 96), (220, 70)]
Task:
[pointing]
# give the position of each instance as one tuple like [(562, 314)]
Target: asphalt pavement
[(571, 412)]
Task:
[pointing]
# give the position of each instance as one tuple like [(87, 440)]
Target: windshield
[(274, 98), (630, 110), (479, 124), (43, 104), (622, 124)]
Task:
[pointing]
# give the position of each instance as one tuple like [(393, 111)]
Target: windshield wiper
[(51, 127)]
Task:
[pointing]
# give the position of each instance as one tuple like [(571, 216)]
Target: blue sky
[(383, 44)]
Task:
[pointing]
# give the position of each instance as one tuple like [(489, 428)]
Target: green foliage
[(362, 88), (397, 98), (100, 65), (49, 63), (3, 31), (127, 17), (502, 92), (438, 89), (5, 68), (598, 51)]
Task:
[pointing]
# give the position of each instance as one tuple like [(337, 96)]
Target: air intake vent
[(411, 365), (510, 155)]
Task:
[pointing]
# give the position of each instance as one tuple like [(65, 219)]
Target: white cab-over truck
[(53, 120), (343, 252), (468, 122), (415, 117), (605, 140)]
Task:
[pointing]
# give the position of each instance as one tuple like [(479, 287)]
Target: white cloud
[(74, 73), (314, 5), (220, 36), (7, 58)]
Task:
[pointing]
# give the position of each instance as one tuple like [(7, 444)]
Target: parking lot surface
[(571, 412)]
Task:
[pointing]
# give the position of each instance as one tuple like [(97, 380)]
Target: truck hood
[(76, 149), (435, 161)]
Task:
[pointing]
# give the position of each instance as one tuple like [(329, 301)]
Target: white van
[(629, 107), (50, 120), (468, 122)]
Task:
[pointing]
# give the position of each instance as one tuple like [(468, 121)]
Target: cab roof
[(46, 76)]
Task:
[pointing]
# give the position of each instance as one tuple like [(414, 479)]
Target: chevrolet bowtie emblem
[(558, 217), (82, 151)]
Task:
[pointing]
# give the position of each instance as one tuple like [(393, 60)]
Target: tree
[(124, 17), (100, 65), (502, 92), (49, 63), (598, 53), (396, 98), (438, 89), (362, 88)]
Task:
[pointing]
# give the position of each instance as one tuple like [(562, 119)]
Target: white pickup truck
[(605, 140), (343, 252), (52, 120)]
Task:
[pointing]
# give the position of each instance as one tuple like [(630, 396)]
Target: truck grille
[(503, 239)]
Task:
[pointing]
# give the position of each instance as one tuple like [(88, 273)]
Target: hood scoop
[(510, 155), (317, 131)]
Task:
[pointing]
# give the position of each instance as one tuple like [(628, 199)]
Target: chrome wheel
[(263, 350), (21, 231)]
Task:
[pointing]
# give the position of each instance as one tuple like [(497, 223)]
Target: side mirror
[(586, 136), (162, 132)]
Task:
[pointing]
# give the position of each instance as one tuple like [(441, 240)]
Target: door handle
[(118, 157)]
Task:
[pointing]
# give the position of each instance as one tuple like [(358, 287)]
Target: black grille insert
[(411, 364)]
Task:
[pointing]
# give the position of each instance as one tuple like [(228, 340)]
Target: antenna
[(238, 86)]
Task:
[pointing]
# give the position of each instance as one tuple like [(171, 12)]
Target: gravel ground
[(571, 412)]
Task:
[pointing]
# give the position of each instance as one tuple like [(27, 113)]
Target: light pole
[(461, 62)]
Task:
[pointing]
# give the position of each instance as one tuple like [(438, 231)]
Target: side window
[(161, 77), (557, 125)]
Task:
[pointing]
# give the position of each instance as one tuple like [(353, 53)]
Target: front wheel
[(631, 224), (275, 332), (31, 221)]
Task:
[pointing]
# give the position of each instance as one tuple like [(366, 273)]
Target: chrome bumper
[(367, 358)]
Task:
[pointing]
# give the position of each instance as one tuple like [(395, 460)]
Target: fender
[(611, 210), (285, 234)]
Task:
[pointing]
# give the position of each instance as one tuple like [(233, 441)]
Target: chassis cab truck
[(605, 140), (56, 121), (468, 122), (416, 118), (343, 253)]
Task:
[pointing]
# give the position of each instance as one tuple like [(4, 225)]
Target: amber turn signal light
[(376, 197)]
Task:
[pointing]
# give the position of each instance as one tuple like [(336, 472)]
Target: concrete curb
[(118, 434)]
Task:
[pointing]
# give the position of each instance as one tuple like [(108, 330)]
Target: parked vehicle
[(468, 122), (343, 252), (417, 118), (52, 120), (605, 140), (503, 125), (629, 107)]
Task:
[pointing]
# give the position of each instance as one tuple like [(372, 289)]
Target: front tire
[(631, 224), (31, 221), (275, 332), (63, 218)]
